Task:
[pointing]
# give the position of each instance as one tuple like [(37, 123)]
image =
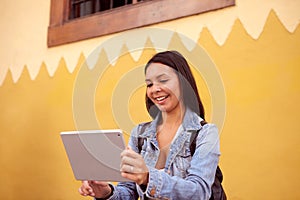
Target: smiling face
[(163, 87)]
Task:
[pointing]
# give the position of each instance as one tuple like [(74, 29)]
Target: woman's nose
[(156, 88)]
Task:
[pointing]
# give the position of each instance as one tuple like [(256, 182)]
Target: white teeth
[(160, 98)]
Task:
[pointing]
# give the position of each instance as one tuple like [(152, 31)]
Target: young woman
[(159, 160)]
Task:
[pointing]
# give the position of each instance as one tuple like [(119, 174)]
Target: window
[(80, 8), (75, 20)]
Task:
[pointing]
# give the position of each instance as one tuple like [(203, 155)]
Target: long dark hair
[(187, 81)]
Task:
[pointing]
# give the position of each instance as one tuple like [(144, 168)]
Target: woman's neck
[(173, 118), (170, 123)]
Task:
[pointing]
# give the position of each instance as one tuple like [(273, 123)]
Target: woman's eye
[(163, 80), (149, 84)]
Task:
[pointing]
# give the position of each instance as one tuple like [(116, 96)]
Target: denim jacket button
[(152, 192)]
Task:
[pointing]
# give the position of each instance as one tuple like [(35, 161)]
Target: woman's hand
[(95, 189), (133, 167)]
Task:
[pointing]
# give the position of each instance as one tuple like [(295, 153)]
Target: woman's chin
[(161, 108)]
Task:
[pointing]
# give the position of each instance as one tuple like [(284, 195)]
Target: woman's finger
[(133, 159), (80, 191), (126, 160), (129, 153), (139, 178), (127, 168), (85, 189)]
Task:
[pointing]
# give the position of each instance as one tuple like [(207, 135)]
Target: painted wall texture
[(256, 52)]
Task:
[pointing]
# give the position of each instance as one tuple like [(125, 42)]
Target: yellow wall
[(260, 76), (261, 135)]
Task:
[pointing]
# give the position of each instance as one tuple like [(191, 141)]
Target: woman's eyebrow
[(157, 77)]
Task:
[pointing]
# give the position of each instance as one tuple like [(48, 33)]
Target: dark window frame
[(62, 30)]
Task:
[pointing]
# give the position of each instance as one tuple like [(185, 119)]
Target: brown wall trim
[(61, 31)]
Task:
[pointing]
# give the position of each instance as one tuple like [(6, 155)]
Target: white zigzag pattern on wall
[(251, 13)]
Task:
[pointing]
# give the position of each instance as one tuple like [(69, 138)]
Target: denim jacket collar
[(191, 121)]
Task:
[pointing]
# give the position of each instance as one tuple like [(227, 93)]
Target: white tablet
[(95, 154)]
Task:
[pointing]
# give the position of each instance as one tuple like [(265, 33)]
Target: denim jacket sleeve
[(200, 173), (124, 191)]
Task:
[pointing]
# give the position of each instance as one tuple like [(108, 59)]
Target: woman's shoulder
[(209, 127), (140, 128), (208, 132)]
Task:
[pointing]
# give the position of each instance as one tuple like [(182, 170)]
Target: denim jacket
[(184, 176)]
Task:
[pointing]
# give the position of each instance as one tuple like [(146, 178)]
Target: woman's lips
[(161, 99)]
